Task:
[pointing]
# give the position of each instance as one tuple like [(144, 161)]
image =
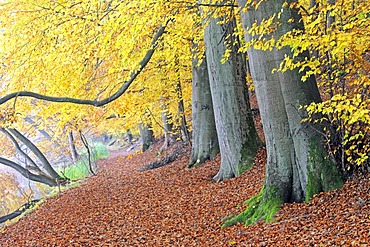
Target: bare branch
[(27, 174)]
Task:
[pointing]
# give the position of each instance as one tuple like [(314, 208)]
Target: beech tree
[(41, 171), (237, 137), (83, 68), (204, 135), (298, 165)]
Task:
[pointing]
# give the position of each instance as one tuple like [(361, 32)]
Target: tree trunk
[(204, 136), (297, 164), (72, 146), (237, 136), (30, 163), (88, 150), (181, 112), (129, 136), (29, 175), (34, 149), (329, 18), (312, 3), (147, 137), (167, 128)]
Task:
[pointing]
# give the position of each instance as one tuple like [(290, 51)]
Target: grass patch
[(100, 151), (80, 169), (77, 171)]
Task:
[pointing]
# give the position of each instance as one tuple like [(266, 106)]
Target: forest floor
[(173, 206)]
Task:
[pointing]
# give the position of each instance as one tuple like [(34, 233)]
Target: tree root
[(258, 209), (167, 159)]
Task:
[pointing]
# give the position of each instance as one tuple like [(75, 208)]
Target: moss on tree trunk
[(323, 175)]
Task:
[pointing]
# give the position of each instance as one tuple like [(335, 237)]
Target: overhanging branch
[(27, 174), (96, 103)]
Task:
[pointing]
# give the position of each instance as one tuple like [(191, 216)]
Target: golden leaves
[(87, 49)]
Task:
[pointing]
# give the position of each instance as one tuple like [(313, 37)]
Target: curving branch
[(96, 103), (27, 174), (19, 150), (34, 149)]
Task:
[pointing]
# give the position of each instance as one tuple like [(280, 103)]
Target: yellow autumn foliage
[(337, 37), (86, 50)]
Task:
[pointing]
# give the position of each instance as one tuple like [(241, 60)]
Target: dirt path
[(171, 206)]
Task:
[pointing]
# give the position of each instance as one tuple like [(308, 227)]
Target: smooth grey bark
[(297, 162), (72, 147), (34, 149), (181, 113), (31, 163), (146, 135), (329, 18), (237, 136), (312, 3), (204, 135), (27, 174), (129, 136), (167, 128)]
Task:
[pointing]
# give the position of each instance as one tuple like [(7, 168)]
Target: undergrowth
[(80, 169)]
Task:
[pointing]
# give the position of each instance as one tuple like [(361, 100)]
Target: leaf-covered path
[(170, 206)]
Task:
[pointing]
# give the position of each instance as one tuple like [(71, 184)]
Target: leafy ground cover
[(172, 206)]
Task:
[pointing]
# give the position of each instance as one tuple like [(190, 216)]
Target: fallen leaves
[(171, 206)]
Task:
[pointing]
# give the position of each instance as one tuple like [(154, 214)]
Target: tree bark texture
[(237, 136), (204, 135), (297, 162), (72, 147), (147, 137), (27, 174), (34, 149), (167, 129)]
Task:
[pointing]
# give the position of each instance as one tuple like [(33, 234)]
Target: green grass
[(80, 169), (100, 151), (77, 171)]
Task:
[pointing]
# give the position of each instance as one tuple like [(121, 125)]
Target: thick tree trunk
[(237, 136), (204, 136), (72, 147), (147, 137), (45, 163), (297, 163)]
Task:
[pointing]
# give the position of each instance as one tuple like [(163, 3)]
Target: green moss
[(214, 152), (262, 206), (247, 159), (323, 175)]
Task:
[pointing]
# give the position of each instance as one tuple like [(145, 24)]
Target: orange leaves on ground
[(170, 206)]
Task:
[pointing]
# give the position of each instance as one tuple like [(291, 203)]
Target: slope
[(171, 206)]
